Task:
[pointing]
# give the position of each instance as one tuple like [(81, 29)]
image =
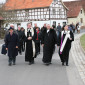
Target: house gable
[(58, 10)]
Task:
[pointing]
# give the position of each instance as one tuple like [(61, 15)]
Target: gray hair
[(29, 23)]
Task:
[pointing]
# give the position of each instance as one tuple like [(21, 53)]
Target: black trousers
[(65, 55), (12, 59), (20, 48), (23, 47), (38, 47)]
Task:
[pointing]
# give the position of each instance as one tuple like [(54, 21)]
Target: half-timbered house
[(20, 12)]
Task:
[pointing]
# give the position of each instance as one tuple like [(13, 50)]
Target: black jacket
[(11, 43)]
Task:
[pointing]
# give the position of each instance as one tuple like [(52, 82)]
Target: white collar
[(28, 29), (66, 31), (48, 31)]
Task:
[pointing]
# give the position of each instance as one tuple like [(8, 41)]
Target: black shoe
[(47, 64), (10, 64), (67, 65), (30, 63), (14, 63), (20, 53), (62, 63)]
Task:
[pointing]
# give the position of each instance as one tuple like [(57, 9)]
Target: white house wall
[(41, 23), (81, 16)]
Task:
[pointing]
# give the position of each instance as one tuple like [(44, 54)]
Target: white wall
[(41, 23)]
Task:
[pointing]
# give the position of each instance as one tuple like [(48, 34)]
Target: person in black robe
[(12, 46), (65, 39), (48, 41), (30, 53)]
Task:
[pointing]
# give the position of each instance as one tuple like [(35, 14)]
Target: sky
[(2, 1)]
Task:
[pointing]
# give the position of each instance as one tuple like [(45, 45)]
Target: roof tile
[(26, 4)]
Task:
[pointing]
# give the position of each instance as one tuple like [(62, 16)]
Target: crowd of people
[(30, 39)]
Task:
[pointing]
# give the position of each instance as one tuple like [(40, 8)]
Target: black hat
[(11, 28)]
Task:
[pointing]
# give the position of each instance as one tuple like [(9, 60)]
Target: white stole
[(33, 43), (65, 40)]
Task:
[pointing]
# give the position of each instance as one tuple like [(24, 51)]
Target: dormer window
[(55, 0), (54, 11), (81, 11)]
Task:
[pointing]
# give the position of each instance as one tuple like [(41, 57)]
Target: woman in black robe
[(12, 46), (30, 39), (65, 39), (48, 41)]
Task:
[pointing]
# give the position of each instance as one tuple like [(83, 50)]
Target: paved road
[(39, 74)]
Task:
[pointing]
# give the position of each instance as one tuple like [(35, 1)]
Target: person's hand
[(57, 46), (6, 48), (42, 45), (70, 38), (16, 46), (29, 38)]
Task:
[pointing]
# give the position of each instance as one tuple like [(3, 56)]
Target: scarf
[(63, 42), (33, 43)]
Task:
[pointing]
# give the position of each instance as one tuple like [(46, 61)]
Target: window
[(60, 11), (18, 24), (54, 11), (64, 23), (81, 11), (54, 23), (55, 0), (81, 20), (7, 25)]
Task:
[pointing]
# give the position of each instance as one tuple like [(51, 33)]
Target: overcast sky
[(2, 1)]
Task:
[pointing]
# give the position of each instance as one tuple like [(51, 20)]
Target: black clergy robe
[(49, 40), (29, 46), (64, 56)]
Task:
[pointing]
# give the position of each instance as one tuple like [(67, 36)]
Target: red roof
[(73, 11), (74, 8), (25, 4)]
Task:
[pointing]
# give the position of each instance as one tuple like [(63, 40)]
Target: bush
[(2, 33)]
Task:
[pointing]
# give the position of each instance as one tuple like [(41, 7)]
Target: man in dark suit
[(12, 46)]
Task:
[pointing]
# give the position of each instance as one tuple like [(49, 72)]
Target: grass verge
[(82, 40)]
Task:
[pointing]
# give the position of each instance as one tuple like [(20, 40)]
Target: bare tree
[(12, 15)]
